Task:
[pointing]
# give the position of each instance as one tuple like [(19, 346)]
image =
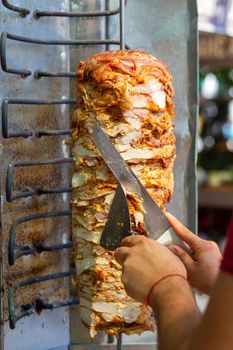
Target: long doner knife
[(155, 221)]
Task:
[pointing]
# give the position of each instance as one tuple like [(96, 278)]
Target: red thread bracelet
[(147, 301)]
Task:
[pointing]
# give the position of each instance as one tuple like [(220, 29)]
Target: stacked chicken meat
[(130, 94)]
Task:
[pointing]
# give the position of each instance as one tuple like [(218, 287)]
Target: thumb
[(183, 256)]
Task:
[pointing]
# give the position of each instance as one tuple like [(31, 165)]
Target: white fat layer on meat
[(79, 180), (139, 113), (152, 89), (132, 136), (146, 153), (122, 148), (109, 198), (128, 312), (90, 236), (139, 217), (89, 263), (82, 203), (82, 151), (159, 98), (139, 101), (83, 222), (134, 122), (101, 173), (113, 131), (89, 318)]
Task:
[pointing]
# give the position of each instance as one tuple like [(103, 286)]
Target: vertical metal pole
[(1, 268), (122, 24), (122, 47), (119, 342), (107, 23)]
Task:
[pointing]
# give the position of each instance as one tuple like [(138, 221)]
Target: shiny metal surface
[(118, 224), (154, 219), (168, 30), (50, 329), (164, 28)]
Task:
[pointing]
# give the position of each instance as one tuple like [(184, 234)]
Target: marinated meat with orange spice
[(130, 93)]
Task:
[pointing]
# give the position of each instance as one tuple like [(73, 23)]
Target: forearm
[(179, 321), (215, 330), (176, 312)]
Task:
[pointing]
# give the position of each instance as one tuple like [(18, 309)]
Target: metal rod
[(38, 74), (12, 256), (28, 133), (40, 248), (41, 133), (25, 72), (120, 342), (21, 163), (22, 11), (40, 102), (61, 42), (30, 309), (122, 24), (10, 196), (37, 13), (107, 22)]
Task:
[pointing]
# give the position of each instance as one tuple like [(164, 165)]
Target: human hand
[(145, 262), (203, 266)]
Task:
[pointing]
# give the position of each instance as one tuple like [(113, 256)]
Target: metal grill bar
[(16, 251), (25, 72), (59, 42), (37, 305), (37, 13), (22, 11), (38, 74), (28, 133), (10, 196)]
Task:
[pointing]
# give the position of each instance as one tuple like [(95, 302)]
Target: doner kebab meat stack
[(130, 94)]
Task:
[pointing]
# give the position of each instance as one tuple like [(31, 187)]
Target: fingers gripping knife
[(118, 225)]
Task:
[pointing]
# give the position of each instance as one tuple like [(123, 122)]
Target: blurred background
[(215, 132)]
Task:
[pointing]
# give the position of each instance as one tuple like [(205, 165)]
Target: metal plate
[(49, 329), (168, 30)]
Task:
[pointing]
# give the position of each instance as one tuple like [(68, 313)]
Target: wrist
[(154, 285), (169, 291)]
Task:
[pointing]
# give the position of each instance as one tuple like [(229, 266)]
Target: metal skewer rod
[(119, 342), (122, 24)]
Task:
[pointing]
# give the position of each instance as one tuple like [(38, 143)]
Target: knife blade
[(155, 221), (118, 224)]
